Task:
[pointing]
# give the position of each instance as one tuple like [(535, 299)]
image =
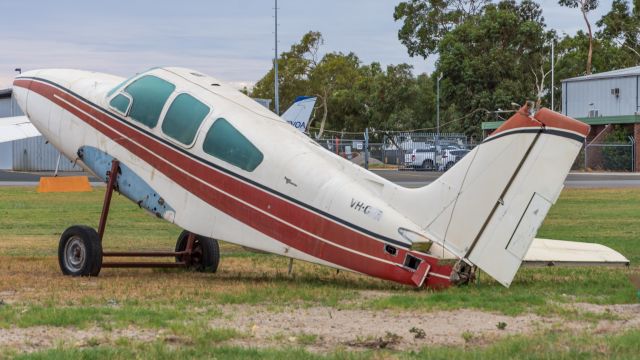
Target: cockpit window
[(226, 143), (121, 103), (149, 94), (183, 118)]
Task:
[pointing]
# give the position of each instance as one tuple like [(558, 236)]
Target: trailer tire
[(80, 251), (205, 256)]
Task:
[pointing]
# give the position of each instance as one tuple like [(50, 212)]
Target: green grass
[(31, 223)]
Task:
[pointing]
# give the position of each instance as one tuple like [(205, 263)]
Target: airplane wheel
[(205, 255), (80, 251)]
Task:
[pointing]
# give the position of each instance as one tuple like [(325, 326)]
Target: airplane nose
[(20, 88)]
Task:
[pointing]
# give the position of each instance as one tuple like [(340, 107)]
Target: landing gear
[(462, 273), (204, 255), (80, 250)]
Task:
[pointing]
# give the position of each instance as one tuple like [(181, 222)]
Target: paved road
[(574, 180), (404, 178)]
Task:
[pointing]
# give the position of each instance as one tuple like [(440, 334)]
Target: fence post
[(366, 148), (585, 154)]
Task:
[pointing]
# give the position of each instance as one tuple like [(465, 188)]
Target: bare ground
[(45, 337), (322, 329)]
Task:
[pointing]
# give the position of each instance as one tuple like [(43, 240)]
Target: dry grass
[(34, 293)]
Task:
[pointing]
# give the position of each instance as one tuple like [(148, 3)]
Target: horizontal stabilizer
[(560, 252), (16, 128)]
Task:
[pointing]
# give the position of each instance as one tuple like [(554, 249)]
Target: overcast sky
[(230, 40)]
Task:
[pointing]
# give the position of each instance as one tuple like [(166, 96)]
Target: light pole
[(438, 116), (552, 73), (275, 64)]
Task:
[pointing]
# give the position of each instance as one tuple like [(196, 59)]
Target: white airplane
[(19, 127), (299, 113), (209, 159)]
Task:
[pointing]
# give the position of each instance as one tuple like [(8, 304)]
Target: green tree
[(585, 7), (425, 22), (294, 67), (490, 62), (622, 27), (351, 96)]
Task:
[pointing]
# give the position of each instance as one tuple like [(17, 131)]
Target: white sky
[(230, 40)]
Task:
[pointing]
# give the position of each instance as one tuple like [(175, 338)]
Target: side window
[(226, 143), (149, 94), (183, 118), (120, 103)]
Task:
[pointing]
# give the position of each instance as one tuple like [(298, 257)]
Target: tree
[(622, 27), (488, 61), (585, 6), (425, 22), (294, 68), (351, 96)]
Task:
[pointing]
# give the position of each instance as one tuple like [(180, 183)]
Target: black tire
[(205, 255), (427, 165), (449, 165), (80, 251)]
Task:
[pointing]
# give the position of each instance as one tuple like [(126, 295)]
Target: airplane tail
[(488, 207), (300, 112)]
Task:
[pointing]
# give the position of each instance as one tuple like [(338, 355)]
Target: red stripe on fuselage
[(166, 159)]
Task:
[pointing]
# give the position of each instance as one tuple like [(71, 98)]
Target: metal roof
[(631, 71), (600, 120)]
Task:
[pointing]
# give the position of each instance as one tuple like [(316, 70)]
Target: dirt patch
[(365, 328), (44, 337)]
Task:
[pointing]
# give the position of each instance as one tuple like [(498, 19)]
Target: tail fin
[(299, 113), (488, 207)]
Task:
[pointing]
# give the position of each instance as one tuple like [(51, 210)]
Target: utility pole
[(437, 118), (275, 64), (366, 148), (552, 73)]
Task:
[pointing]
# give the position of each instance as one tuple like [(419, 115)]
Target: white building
[(33, 154)]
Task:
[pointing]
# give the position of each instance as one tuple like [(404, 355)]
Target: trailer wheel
[(205, 255), (80, 251)]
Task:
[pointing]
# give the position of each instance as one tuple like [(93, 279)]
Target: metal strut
[(184, 255)]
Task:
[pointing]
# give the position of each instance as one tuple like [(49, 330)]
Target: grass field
[(253, 308)]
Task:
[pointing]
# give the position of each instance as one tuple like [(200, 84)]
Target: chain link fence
[(402, 150)]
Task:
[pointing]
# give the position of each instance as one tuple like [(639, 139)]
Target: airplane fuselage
[(243, 176)]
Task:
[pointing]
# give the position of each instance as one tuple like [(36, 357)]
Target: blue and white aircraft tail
[(299, 113)]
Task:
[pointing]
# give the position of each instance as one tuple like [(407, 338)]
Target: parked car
[(450, 157), (423, 159)]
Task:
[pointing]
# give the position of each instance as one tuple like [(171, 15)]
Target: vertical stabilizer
[(488, 207), (299, 113)]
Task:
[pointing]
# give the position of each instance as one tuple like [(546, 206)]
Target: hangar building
[(33, 154), (608, 101)]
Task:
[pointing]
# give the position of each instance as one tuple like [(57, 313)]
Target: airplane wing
[(300, 112), (560, 252), (548, 252), (16, 128)]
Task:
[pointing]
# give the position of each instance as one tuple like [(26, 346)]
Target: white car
[(424, 159), (450, 157)]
